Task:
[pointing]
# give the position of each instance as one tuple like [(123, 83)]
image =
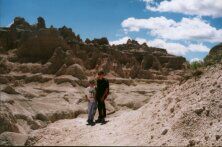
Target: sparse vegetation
[(196, 69), (196, 64)]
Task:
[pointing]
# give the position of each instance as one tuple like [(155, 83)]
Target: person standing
[(92, 103), (102, 91)]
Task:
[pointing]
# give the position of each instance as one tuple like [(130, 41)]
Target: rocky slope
[(181, 115)]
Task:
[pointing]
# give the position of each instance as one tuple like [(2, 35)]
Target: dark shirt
[(102, 85)]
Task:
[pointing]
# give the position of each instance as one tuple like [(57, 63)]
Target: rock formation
[(214, 56), (102, 41), (37, 44), (41, 23), (20, 23), (40, 46)]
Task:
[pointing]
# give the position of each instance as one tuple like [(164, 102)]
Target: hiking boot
[(103, 121), (92, 123), (89, 122), (98, 120)]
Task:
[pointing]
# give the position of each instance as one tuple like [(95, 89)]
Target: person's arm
[(86, 97), (106, 92), (86, 94)]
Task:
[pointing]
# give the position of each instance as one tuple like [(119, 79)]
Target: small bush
[(196, 64), (197, 72)]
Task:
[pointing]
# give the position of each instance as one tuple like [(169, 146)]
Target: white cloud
[(186, 29), (198, 48), (173, 47), (196, 60), (153, 23), (148, 1), (191, 7), (9, 24), (120, 41)]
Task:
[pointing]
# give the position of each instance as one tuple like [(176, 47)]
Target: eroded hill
[(181, 115)]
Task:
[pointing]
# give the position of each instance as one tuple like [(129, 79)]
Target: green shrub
[(196, 64)]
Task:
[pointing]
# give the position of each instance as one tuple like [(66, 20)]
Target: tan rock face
[(76, 70), (4, 66), (8, 39), (56, 61), (215, 55), (70, 37), (7, 120), (102, 41), (20, 23), (41, 45), (41, 23), (172, 61), (13, 139), (8, 89)]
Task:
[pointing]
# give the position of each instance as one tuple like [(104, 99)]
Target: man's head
[(101, 74)]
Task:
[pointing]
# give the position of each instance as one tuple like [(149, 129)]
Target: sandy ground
[(76, 132)]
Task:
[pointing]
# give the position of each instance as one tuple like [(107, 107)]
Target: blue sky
[(113, 19)]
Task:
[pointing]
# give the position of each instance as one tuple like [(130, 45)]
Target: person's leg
[(91, 112), (103, 110), (89, 108), (94, 107), (100, 112)]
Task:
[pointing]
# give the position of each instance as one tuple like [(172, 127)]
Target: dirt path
[(76, 132)]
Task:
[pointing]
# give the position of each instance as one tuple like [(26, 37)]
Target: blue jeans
[(92, 106)]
